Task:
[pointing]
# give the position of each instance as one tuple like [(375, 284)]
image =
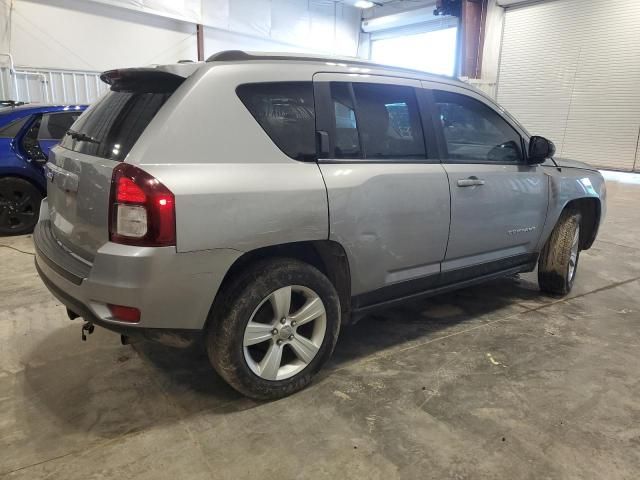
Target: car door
[(498, 201), (388, 193), (52, 128)]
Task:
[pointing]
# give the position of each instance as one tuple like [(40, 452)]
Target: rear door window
[(54, 125), (111, 127), (347, 139), (376, 121), (285, 111), (390, 125)]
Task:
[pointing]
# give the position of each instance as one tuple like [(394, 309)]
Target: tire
[(558, 262), (257, 296), (19, 206)]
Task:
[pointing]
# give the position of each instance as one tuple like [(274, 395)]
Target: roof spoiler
[(141, 80)]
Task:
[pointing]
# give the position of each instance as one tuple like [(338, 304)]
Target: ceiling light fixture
[(364, 4)]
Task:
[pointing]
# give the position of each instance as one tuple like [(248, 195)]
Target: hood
[(567, 163)]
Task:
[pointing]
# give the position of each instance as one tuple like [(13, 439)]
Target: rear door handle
[(470, 182)]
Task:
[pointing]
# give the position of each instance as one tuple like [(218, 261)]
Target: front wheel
[(273, 328), (19, 206), (558, 263)]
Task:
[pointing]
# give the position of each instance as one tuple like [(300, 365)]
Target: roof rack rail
[(11, 103), (240, 55)]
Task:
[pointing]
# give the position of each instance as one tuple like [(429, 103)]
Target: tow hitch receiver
[(87, 327)]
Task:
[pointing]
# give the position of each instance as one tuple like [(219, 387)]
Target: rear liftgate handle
[(472, 181)]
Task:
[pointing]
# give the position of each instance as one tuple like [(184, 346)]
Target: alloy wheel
[(573, 258), (18, 207), (285, 333)]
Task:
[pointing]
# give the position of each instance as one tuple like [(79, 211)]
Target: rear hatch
[(80, 169)]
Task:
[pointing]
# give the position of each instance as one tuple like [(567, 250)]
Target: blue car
[(27, 133)]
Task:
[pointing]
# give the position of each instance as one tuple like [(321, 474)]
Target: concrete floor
[(495, 381)]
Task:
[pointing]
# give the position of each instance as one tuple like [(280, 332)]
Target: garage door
[(570, 70)]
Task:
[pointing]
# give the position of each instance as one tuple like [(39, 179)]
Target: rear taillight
[(142, 210)]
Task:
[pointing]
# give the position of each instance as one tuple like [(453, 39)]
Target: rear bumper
[(171, 290)]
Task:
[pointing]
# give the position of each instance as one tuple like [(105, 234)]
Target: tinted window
[(55, 125), (347, 143), (285, 111), (11, 130), (390, 125), (113, 125), (474, 131), (30, 140)]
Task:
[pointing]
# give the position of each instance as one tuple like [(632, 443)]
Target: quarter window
[(475, 132), (12, 129), (285, 111)]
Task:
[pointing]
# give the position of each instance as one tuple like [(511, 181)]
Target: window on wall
[(433, 52), (474, 131)]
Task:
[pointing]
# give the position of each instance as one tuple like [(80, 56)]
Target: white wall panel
[(570, 70), (290, 21), (252, 17), (80, 35), (187, 10), (216, 40), (281, 25), (215, 13), (89, 36)]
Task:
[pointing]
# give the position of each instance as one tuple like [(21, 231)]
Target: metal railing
[(41, 85)]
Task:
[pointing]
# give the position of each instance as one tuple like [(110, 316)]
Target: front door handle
[(470, 182)]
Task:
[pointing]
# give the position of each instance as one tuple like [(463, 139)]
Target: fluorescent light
[(364, 4)]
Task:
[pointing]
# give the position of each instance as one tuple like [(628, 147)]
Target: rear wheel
[(273, 328), (558, 263), (19, 206)]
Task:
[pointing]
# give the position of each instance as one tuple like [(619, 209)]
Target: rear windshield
[(111, 127)]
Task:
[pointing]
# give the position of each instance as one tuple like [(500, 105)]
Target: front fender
[(567, 185)]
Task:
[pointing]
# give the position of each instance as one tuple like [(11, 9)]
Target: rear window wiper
[(83, 137)]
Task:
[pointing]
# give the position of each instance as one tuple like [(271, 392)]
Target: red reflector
[(128, 192), (125, 314)]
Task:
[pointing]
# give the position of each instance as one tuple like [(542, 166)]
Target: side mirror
[(540, 149)]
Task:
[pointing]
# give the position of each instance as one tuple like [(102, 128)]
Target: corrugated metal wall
[(570, 70), (50, 86)]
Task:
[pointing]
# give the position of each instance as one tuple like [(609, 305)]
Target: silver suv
[(263, 201)]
